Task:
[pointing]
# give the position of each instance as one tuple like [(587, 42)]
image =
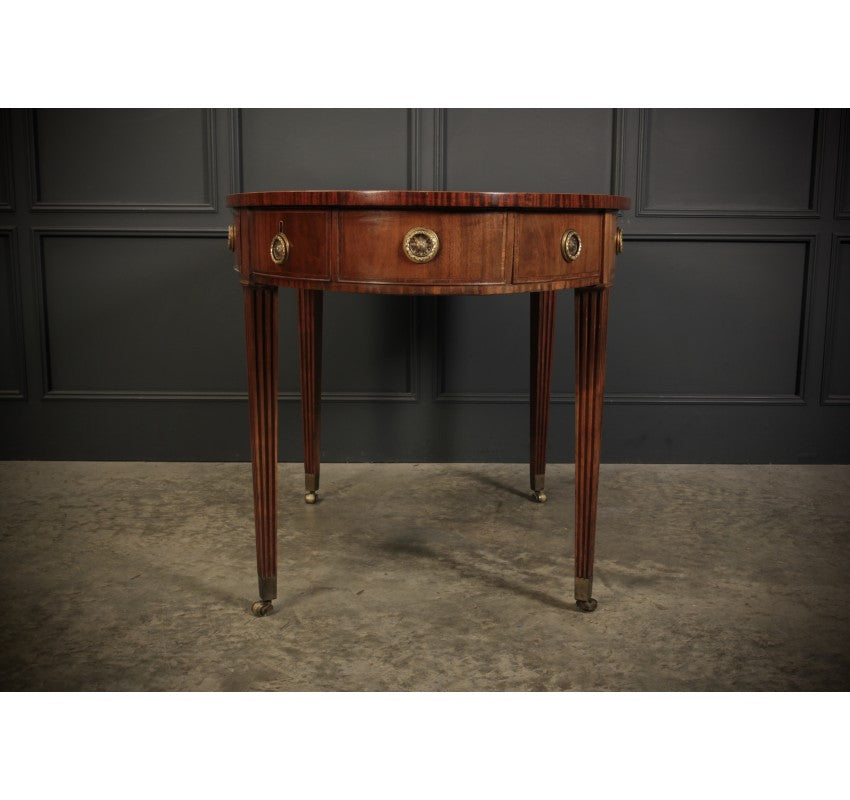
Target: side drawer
[(537, 250), (307, 238), (472, 247)]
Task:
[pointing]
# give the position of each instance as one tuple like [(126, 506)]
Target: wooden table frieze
[(424, 243)]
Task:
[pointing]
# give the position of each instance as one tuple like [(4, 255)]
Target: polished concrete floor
[(140, 576)]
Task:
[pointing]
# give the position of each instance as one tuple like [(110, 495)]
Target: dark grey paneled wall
[(120, 317)]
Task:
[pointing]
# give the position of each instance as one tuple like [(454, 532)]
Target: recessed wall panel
[(323, 149), (483, 346), (707, 318), (838, 334), (11, 342), (529, 150), (367, 345), (5, 160), (132, 313), (728, 161), (118, 158), (843, 182)]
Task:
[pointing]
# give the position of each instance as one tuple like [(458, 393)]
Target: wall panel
[(842, 198), (689, 319), (123, 159), (132, 314), (837, 353), (475, 332), (6, 190), (533, 150), (728, 162), (11, 332), (369, 347), (323, 149)]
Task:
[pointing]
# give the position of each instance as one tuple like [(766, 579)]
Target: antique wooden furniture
[(426, 243)]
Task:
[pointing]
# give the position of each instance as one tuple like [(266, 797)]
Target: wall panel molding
[(414, 148), (209, 178), (39, 235), (837, 282), (234, 152), (805, 301), (666, 398), (15, 322), (618, 152), (307, 149), (561, 154), (842, 181), (440, 135), (236, 171), (7, 187), (53, 394), (643, 206)]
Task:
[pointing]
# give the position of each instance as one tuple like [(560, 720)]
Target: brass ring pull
[(570, 245), (618, 241), (421, 245), (231, 237), (280, 247)]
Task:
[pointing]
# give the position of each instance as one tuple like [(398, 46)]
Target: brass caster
[(261, 608), (586, 605), (311, 497), (539, 496)]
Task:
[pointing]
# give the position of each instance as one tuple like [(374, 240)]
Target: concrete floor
[(140, 576)]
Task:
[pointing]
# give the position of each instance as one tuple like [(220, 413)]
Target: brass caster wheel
[(539, 496), (261, 608), (586, 605), (311, 497)]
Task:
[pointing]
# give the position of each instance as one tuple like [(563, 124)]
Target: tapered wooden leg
[(261, 340), (591, 334), (310, 336), (542, 336)]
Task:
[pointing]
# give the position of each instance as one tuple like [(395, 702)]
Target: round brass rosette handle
[(231, 237), (570, 245), (279, 249), (421, 245), (619, 241)]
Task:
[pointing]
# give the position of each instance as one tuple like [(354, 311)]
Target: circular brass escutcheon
[(570, 245), (279, 249), (618, 239), (231, 237), (421, 245)]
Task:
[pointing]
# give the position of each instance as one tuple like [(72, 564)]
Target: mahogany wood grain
[(591, 326), (537, 246), (310, 338), (608, 245), (542, 340), (472, 247), (427, 199), (261, 308), (422, 289), (310, 240)]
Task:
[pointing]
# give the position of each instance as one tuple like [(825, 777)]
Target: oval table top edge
[(392, 198)]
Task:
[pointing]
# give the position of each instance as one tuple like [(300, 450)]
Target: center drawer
[(470, 248)]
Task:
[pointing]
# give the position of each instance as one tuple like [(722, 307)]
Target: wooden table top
[(385, 198)]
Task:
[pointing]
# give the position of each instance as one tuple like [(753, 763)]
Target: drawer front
[(304, 250), (471, 247), (538, 252)]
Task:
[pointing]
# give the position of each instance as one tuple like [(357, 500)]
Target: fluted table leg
[(261, 339), (542, 336), (591, 321), (310, 336)]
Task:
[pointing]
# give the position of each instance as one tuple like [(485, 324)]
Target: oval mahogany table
[(424, 243)]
